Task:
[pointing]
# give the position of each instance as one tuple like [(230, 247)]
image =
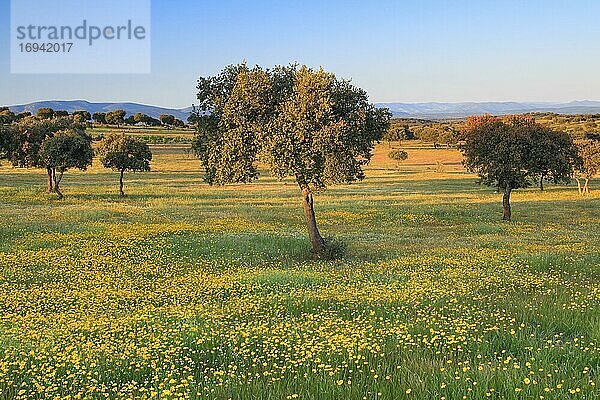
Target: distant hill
[(75, 105), (461, 110), (404, 110)]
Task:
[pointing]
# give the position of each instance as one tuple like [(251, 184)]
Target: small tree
[(398, 132), (167, 119), (130, 120), (116, 117), (85, 115), (99, 117), (302, 123), (430, 134), (498, 151), (152, 121), (124, 153), (398, 156), (67, 149), (79, 118), (45, 113), (589, 151), (448, 136), (140, 117), (553, 155)]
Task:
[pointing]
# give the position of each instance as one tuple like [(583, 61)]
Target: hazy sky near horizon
[(405, 51)]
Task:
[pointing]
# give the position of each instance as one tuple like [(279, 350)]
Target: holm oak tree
[(302, 123), (124, 153)]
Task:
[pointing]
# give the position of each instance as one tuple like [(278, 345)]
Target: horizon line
[(374, 102)]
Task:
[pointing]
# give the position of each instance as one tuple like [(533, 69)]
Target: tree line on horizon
[(115, 117), (305, 124)]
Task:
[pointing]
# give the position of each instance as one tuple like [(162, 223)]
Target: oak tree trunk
[(579, 188), (542, 183), (316, 240), (586, 187), (121, 193), (50, 180), (57, 179), (506, 204)]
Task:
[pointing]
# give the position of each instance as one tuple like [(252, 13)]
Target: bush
[(398, 155)]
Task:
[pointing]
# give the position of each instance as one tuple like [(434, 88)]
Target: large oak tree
[(303, 123)]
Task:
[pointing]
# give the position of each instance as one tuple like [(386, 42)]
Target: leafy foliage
[(497, 152), (71, 148), (398, 132), (167, 119), (124, 153), (116, 117), (45, 113), (553, 155), (99, 117), (303, 123), (85, 115), (6, 116)]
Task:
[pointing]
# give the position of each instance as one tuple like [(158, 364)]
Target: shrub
[(398, 155)]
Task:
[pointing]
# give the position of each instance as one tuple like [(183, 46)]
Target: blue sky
[(407, 51)]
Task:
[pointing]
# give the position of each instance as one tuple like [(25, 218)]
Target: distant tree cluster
[(437, 133), (115, 117), (8, 117), (57, 143)]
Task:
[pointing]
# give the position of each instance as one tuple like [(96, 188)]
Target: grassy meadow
[(182, 290)]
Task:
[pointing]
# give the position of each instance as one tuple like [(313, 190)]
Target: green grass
[(182, 290)]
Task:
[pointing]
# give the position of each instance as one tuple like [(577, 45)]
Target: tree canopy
[(99, 117), (45, 113)]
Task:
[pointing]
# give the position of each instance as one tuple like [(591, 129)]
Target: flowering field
[(185, 291)]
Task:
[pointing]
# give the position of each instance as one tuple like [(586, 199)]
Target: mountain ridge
[(439, 110), (427, 110)]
